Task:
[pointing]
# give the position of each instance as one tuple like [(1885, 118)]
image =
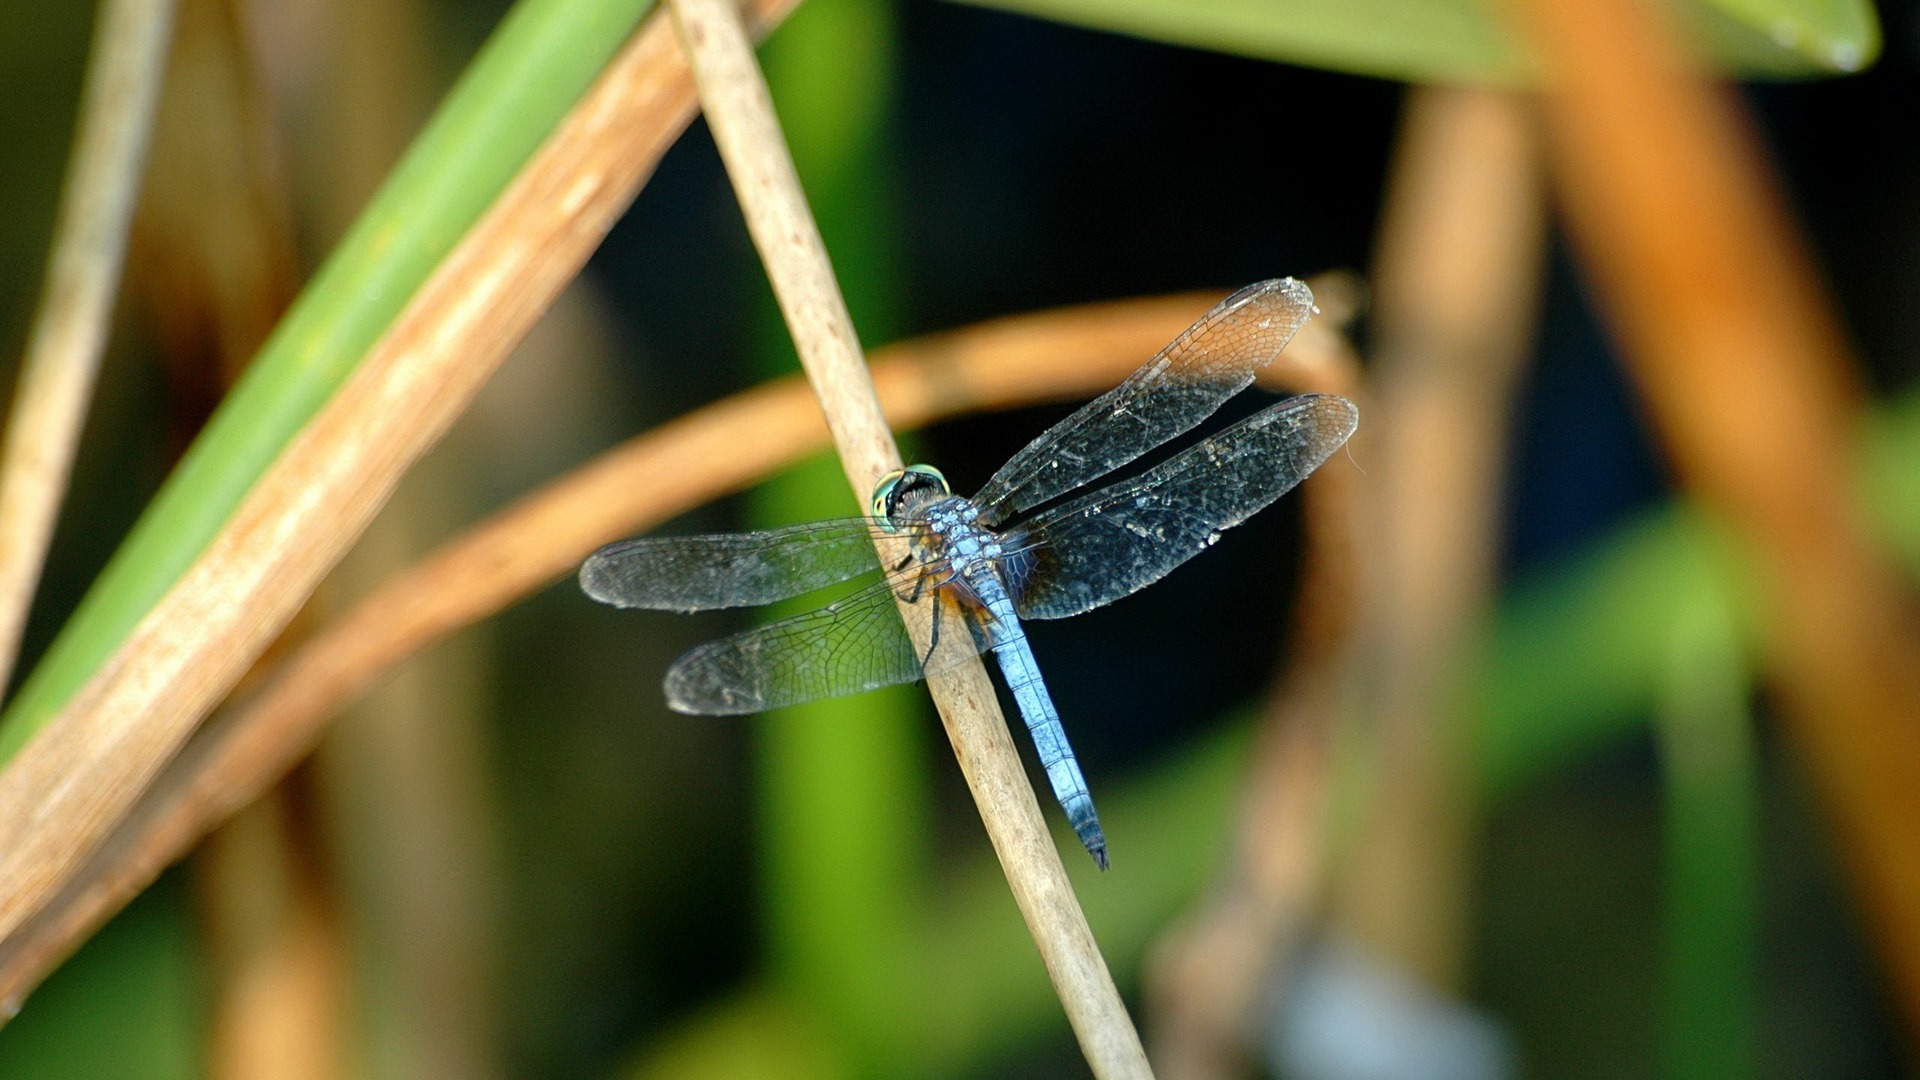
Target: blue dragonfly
[(978, 562)]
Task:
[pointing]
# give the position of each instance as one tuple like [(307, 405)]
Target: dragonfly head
[(906, 489)]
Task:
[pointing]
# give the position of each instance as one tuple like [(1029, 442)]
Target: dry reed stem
[(1209, 975), (1061, 355), (214, 261), (1400, 571), (71, 784), (277, 948), (1461, 261), (740, 113), (1733, 345), (405, 772), (76, 305)]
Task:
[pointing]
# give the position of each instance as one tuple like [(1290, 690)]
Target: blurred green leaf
[(131, 1004), (844, 786), (1711, 870), (1466, 40), (761, 1033), (1418, 40), (1579, 652), (1888, 490), (1787, 37)]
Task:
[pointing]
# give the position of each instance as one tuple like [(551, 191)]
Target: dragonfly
[(1026, 547)]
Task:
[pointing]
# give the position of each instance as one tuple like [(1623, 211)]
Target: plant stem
[(740, 113)]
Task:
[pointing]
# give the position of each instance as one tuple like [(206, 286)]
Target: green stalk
[(1712, 859), (844, 793), (1580, 652)]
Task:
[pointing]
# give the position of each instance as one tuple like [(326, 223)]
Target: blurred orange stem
[(1733, 342)]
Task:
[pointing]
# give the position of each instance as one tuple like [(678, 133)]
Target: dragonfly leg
[(933, 641)]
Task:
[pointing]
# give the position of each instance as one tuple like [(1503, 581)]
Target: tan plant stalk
[(734, 95), (1399, 576), (76, 304), (1209, 975), (280, 951), (213, 265), (1461, 260)]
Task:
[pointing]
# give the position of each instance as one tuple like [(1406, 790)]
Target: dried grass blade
[(70, 328), (69, 786)]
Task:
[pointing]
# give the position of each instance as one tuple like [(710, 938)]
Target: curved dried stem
[(214, 266), (70, 328), (723, 448), (1460, 268)]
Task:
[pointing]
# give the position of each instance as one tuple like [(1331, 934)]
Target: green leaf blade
[(1454, 41)]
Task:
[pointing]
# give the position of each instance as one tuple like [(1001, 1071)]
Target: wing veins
[(1183, 384), (1117, 540), (854, 644), (727, 570)]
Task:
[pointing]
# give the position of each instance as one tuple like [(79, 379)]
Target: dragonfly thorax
[(951, 516), (957, 536)]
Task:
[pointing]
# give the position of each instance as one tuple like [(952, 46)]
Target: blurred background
[(1475, 758)]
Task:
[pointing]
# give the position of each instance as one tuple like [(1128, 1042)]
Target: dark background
[(1027, 165)]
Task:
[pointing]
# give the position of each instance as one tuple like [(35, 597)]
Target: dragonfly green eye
[(889, 494)]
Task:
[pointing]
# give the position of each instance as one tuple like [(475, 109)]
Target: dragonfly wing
[(1120, 539), (700, 573), (1213, 360), (855, 644)]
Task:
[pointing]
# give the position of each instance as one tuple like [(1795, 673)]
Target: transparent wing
[(854, 644), (1181, 386), (699, 573), (1120, 539)]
